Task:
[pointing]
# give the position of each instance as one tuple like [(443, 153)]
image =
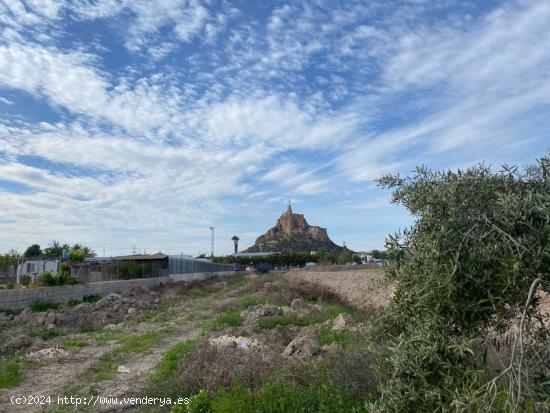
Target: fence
[(117, 270), (177, 265), (7, 275), (113, 270)]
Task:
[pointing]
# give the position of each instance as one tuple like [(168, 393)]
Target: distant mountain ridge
[(293, 233)]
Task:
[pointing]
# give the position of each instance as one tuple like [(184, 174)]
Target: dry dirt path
[(46, 379)]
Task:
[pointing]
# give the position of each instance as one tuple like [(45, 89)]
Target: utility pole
[(134, 250), (211, 242)]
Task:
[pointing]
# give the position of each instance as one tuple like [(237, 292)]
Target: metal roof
[(142, 257)]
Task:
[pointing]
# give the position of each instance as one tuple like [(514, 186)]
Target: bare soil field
[(188, 338), (362, 288)]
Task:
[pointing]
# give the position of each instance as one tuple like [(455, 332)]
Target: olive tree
[(472, 261)]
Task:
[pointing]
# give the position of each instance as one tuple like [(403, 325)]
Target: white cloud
[(489, 77), (276, 122), (70, 80), (296, 180)]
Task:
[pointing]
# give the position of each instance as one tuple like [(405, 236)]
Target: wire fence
[(114, 270), (177, 265), (8, 275)]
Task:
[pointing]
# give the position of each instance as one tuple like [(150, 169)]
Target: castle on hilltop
[(293, 233)]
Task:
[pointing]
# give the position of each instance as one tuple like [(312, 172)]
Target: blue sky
[(145, 122)]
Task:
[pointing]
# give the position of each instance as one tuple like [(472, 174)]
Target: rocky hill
[(293, 233)]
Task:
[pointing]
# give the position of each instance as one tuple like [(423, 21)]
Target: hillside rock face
[(293, 233)]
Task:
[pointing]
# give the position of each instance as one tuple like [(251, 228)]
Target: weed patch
[(328, 312), (85, 299), (10, 371), (274, 397), (138, 343), (46, 334), (345, 338), (73, 343), (229, 318), (10, 312), (163, 381), (104, 369), (38, 306)]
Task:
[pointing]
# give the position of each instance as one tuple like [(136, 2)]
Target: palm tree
[(236, 244), (76, 246), (88, 251), (54, 250)]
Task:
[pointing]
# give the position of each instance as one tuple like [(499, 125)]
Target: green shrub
[(49, 280), (10, 371), (25, 279), (43, 305), (479, 243)]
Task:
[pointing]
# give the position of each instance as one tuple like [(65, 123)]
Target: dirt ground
[(362, 288), (115, 329), (170, 311)]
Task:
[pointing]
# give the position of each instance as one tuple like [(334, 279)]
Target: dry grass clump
[(283, 292), (354, 371), (210, 368)]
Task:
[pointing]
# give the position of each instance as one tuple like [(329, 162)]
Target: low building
[(35, 267), (365, 257)]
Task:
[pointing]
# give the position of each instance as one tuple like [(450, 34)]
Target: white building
[(35, 267)]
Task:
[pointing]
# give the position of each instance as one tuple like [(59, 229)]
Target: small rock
[(131, 310), (302, 347), (111, 327), (48, 353), (342, 322), (234, 342), (109, 299), (255, 312), (123, 369), (329, 349)]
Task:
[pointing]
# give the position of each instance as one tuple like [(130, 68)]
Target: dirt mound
[(111, 309)]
